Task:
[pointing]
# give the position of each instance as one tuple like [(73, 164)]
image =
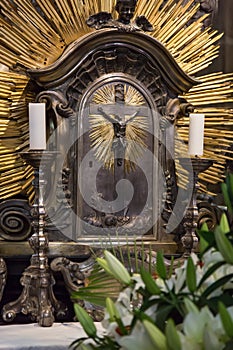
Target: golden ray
[(102, 131), (38, 34), (216, 89), (14, 133), (33, 34)]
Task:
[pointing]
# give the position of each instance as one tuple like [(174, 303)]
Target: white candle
[(37, 126), (196, 134)]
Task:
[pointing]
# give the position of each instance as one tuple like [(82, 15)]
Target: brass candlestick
[(37, 298), (194, 166)]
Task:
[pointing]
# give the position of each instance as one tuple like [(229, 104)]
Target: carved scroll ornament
[(15, 220)]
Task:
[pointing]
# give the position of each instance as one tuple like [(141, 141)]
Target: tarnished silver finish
[(104, 58), (75, 276), (15, 220), (125, 9), (190, 222), (209, 213), (37, 298), (74, 273), (119, 53)]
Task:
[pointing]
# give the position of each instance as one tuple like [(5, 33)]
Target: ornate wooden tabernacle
[(113, 99)]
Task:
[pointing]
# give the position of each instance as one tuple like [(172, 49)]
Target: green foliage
[(220, 239), (116, 268), (104, 282), (175, 300), (112, 310), (227, 190), (226, 320), (172, 309), (224, 245), (160, 266), (85, 320), (157, 337), (191, 276), (172, 337), (150, 283), (100, 286)]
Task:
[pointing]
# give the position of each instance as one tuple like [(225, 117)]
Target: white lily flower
[(212, 337), (195, 322), (166, 285), (139, 282), (138, 339), (211, 257), (179, 279)]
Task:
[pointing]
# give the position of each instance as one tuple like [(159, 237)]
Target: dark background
[(223, 22)]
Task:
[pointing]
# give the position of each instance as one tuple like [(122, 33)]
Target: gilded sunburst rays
[(129, 142), (15, 177), (210, 98), (34, 33)]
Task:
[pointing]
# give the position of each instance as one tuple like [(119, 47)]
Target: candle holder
[(37, 297), (194, 166)]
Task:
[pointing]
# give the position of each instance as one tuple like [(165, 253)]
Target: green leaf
[(142, 316), (224, 224), (191, 276), (112, 310), (226, 319), (157, 337), (162, 313), (99, 299), (160, 266), (150, 283), (226, 197), (117, 268), (103, 263), (85, 320), (172, 336), (203, 243), (86, 347), (219, 283), (209, 272), (205, 227), (224, 246), (190, 306), (77, 343), (207, 240), (115, 316)]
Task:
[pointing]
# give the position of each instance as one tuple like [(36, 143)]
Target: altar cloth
[(33, 337)]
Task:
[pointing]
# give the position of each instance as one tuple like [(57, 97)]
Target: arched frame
[(96, 60)]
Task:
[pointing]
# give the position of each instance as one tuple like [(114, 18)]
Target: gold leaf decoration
[(102, 135), (16, 177), (34, 33), (210, 98)]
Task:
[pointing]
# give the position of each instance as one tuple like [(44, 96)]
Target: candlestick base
[(194, 166), (37, 298)]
